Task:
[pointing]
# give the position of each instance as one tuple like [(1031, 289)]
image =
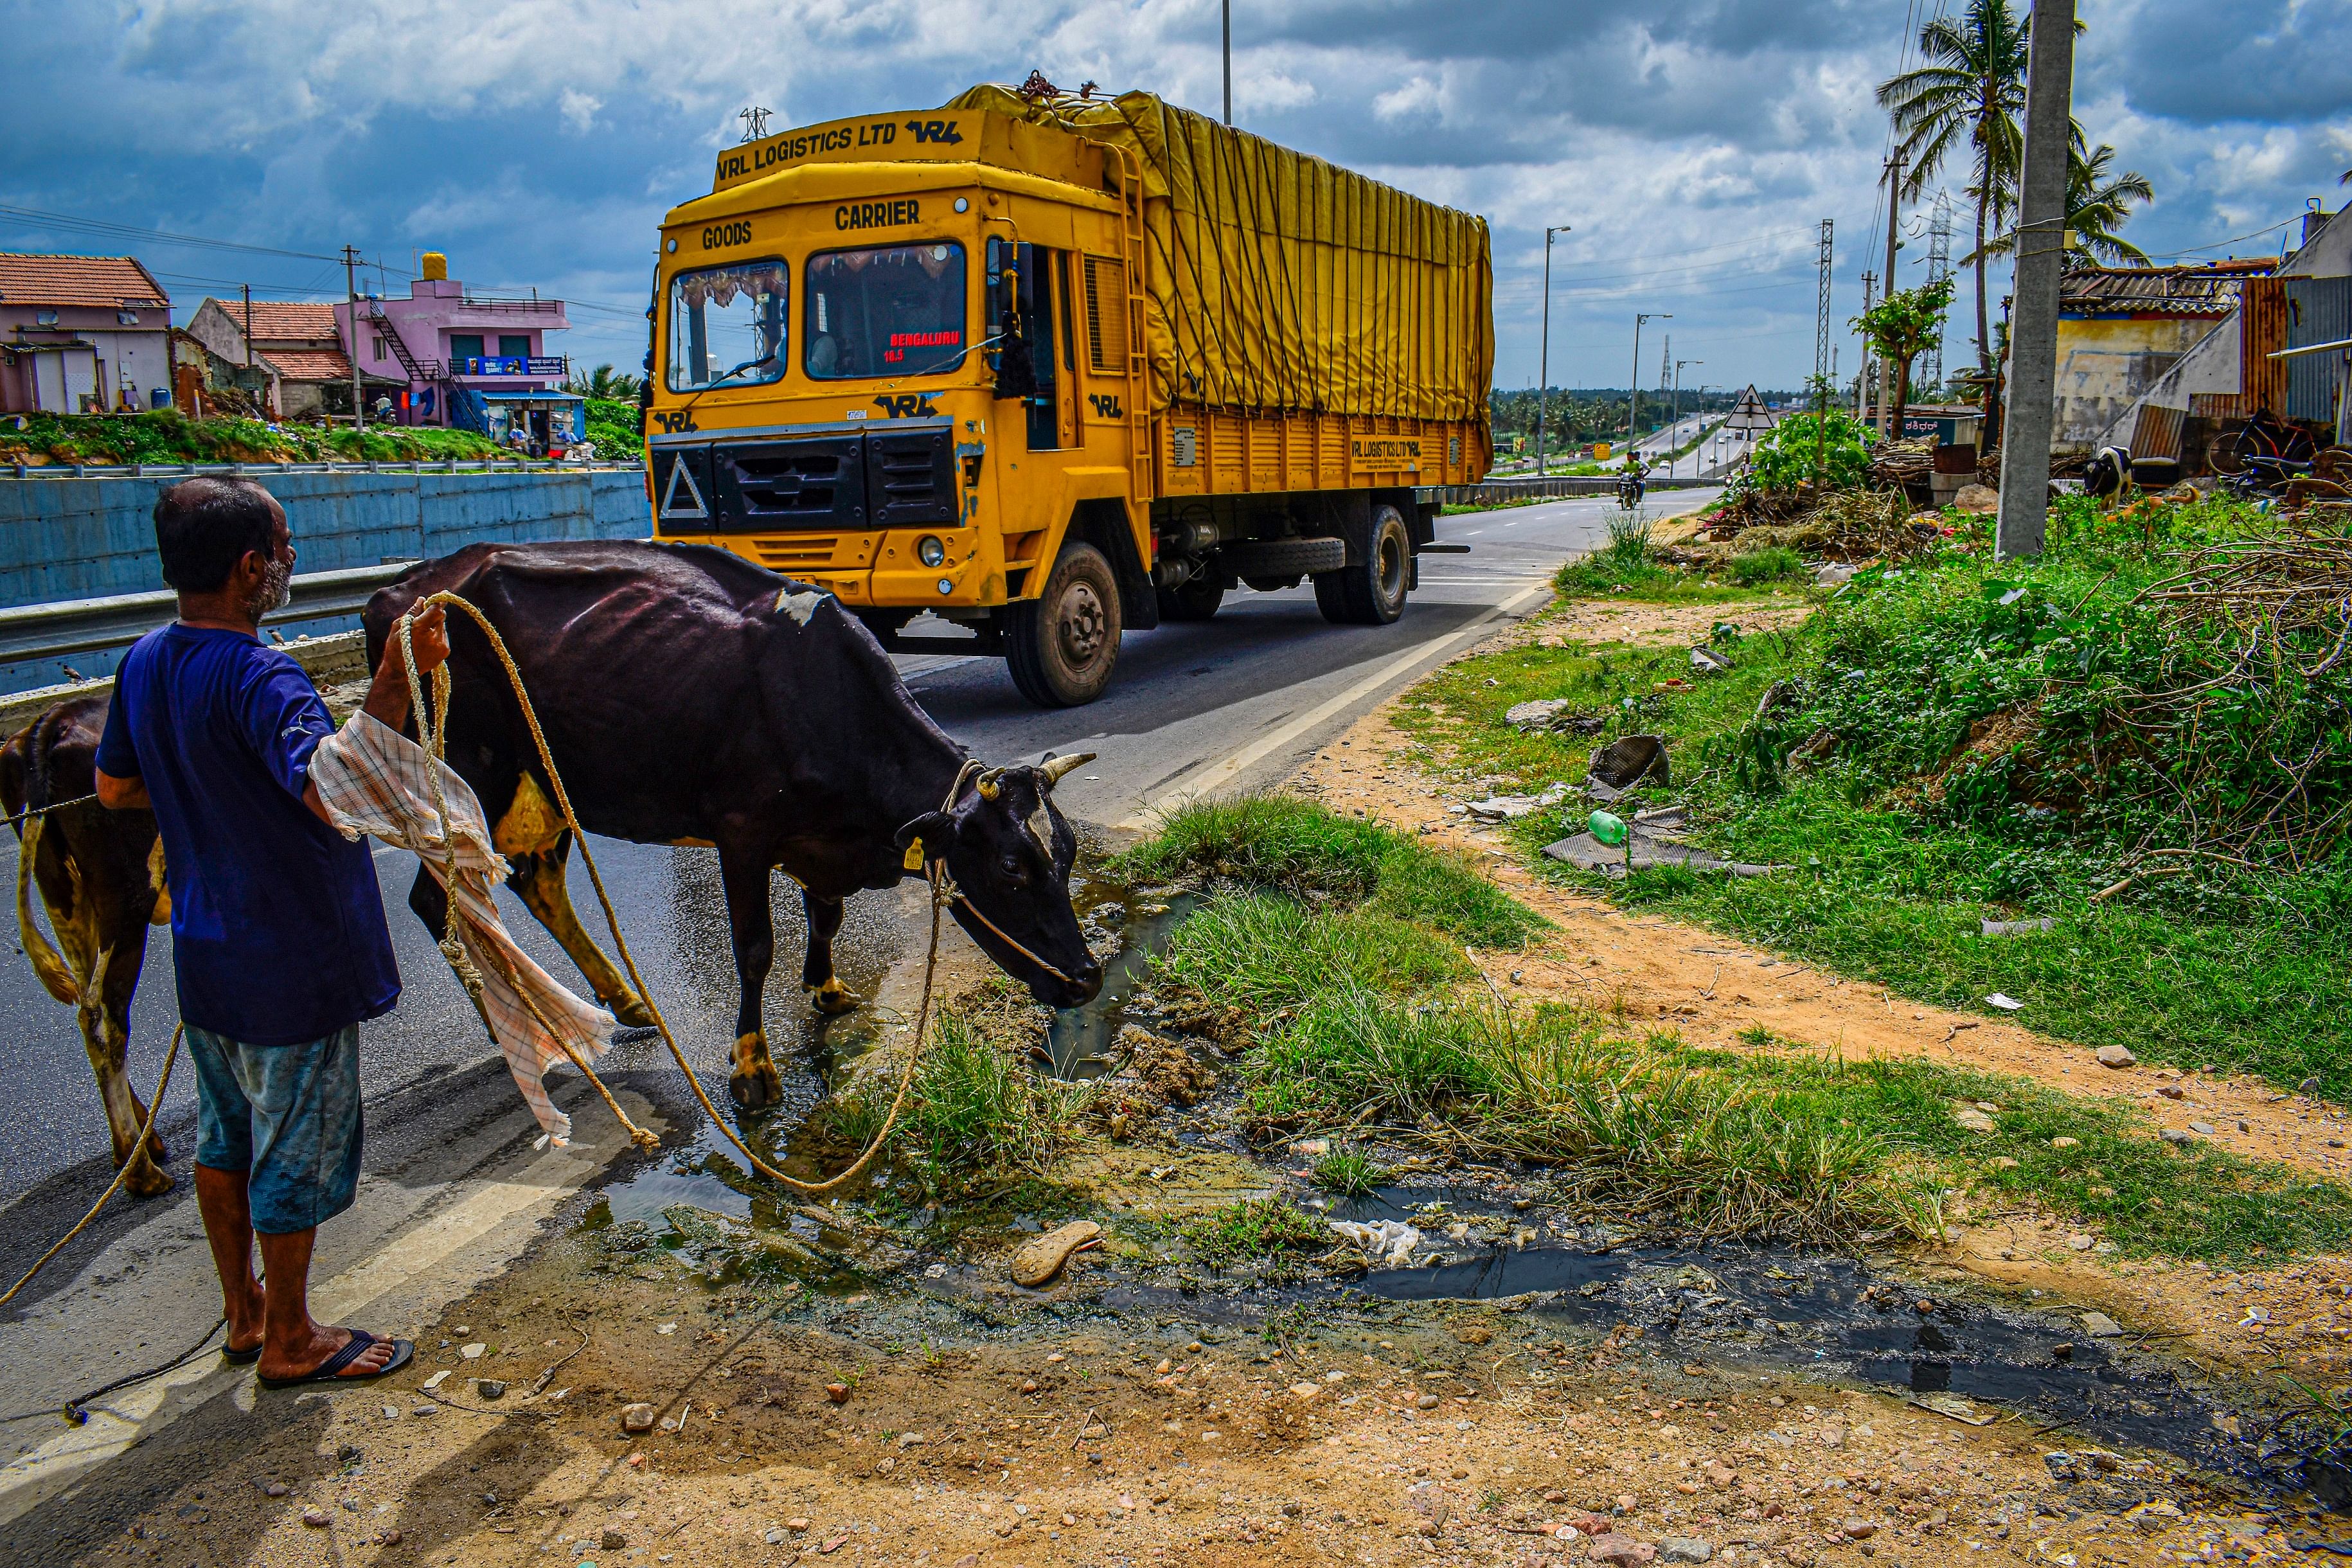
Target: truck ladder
[(1138, 380)]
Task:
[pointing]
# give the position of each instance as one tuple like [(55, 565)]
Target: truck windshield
[(723, 317), (895, 310)]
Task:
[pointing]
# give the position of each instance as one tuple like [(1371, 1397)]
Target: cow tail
[(48, 962)]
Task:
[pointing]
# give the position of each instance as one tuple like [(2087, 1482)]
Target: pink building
[(82, 334), (468, 360)]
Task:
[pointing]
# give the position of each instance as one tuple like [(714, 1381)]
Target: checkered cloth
[(373, 780)]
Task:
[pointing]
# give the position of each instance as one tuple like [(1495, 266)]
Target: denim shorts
[(288, 1117)]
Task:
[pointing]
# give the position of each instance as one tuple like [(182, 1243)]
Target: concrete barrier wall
[(81, 538)]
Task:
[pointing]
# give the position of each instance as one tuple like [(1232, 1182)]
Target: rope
[(155, 1108), (934, 867), (18, 819)]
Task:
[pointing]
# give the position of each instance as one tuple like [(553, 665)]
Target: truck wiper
[(768, 358), (979, 347)]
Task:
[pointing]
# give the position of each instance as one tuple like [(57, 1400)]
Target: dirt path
[(1711, 988)]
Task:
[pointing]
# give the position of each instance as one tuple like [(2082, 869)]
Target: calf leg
[(817, 978), (538, 880), (104, 1014), (753, 1083)]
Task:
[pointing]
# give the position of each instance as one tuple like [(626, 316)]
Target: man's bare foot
[(244, 1320), (325, 1344)]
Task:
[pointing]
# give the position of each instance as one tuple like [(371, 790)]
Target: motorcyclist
[(1632, 481)]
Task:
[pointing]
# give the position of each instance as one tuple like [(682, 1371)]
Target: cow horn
[(988, 782), (1054, 769)]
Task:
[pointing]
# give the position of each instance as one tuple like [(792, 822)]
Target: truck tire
[(1370, 591), (1061, 646), (1195, 599), (1282, 560)]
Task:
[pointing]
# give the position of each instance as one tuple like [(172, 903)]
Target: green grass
[(1349, 1171), (1773, 564), (1283, 844), (978, 1113), (1627, 567), (2243, 972), (1267, 954), (1254, 1228)]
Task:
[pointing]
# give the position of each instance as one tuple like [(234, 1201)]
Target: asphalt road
[(1195, 710)]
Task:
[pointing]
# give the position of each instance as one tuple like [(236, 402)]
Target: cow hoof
[(147, 1180), (755, 1089), (833, 998), (631, 1011)]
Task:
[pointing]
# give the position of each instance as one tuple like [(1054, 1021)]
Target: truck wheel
[(1061, 645), (1195, 599), (1370, 592)]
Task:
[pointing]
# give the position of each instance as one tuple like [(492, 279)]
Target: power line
[(100, 227)]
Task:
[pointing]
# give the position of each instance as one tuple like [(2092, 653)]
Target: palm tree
[(2099, 203), (1972, 90), (603, 382)]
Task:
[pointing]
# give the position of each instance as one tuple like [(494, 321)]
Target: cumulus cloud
[(1694, 147)]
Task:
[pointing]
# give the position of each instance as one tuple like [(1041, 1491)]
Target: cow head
[(1009, 852)]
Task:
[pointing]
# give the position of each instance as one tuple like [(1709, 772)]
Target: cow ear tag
[(914, 861)]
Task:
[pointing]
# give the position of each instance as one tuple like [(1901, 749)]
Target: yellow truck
[(1052, 367)]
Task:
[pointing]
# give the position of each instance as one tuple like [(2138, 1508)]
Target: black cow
[(690, 697)]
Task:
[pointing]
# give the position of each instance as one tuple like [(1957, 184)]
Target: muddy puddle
[(1079, 1039)]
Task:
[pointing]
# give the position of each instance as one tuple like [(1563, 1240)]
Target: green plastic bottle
[(1607, 828)]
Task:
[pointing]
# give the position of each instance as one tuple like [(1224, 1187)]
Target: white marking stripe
[(1215, 774)]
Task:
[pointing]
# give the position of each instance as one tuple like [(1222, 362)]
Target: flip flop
[(246, 1357), (331, 1369)]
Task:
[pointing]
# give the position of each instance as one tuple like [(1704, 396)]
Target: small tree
[(1899, 327)]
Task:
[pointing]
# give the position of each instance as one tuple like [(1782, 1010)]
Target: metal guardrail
[(30, 632), (271, 470), (1493, 491)]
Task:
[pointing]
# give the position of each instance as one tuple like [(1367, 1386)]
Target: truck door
[(1044, 293)]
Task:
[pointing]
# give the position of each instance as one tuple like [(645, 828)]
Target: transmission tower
[(1822, 315), (1939, 267)]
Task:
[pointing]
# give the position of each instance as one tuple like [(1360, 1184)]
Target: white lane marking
[(139, 1411), (1217, 774)]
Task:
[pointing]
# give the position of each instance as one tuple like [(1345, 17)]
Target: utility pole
[(1228, 18), (1543, 368), (1633, 387), (1699, 453), (1863, 408), (1823, 363), (352, 312), (1893, 193), (2041, 261)]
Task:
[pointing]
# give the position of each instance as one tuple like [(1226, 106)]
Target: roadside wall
[(82, 538)]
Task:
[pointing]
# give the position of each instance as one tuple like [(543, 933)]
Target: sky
[(1691, 150)]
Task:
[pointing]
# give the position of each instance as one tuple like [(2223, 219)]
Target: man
[(277, 930)]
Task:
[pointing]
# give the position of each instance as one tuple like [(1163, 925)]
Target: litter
[(1630, 758), (2014, 928), (1511, 807), (1957, 1407), (1707, 661), (1389, 1242), (2006, 1004)]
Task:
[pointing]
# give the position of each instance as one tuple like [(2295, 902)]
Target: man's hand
[(388, 694)]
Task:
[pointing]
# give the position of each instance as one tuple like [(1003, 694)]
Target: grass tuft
[(1349, 1171), (1294, 847), (1254, 1228)]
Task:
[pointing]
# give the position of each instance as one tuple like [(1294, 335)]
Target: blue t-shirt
[(277, 930)]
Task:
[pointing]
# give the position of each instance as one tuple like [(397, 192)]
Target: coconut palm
[(603, 382), (1972, 91), (2099, 203)]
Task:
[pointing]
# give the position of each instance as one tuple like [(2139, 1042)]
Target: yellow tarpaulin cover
[(1276, 281)]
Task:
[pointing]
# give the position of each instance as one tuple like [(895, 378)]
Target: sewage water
[(1079, 1039)]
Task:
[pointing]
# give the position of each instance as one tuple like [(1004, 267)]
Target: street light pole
[(1543, 367), (1674, 415), (1633, 392), (1699, 453), (1228, 18)]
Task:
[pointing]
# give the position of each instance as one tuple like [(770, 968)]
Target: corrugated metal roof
[(2206, 290), (105, 283)]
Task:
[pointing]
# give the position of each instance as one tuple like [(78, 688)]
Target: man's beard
[(272, 593)]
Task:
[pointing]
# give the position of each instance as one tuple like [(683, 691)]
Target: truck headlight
[(929, 551)]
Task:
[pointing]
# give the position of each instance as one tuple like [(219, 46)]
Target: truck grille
[(797, 552), (892, 477), (910, 477)]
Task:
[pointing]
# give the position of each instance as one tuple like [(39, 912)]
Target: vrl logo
[(941, 130), (905, 405)]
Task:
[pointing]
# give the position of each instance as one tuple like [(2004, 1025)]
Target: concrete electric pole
[(1894, 195), (351, 320), (2041, 259), (1674, 415), (1543, 368)]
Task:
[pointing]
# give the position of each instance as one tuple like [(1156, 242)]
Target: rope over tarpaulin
[(1276, 281)]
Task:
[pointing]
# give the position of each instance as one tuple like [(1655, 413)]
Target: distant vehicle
[(1052, 367)]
